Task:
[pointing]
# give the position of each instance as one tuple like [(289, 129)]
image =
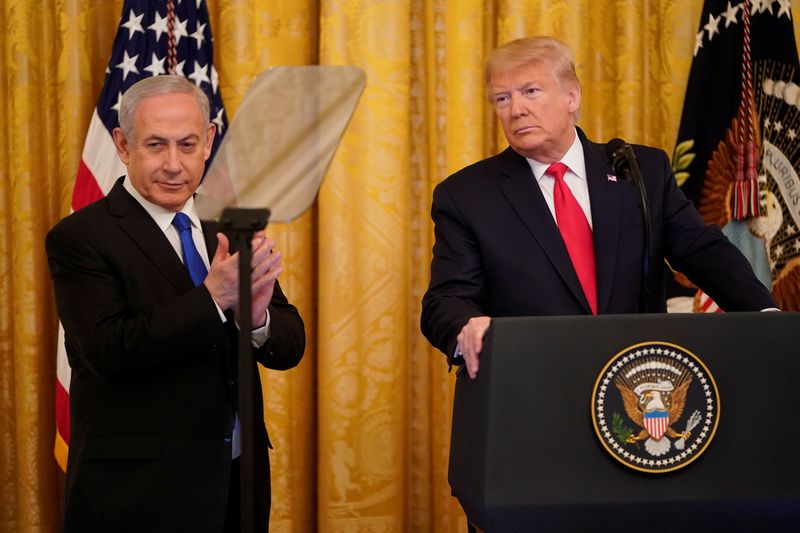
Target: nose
[(517, 106), (172, 162)]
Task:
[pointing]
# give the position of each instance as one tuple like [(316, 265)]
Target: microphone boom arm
[(624, 162)]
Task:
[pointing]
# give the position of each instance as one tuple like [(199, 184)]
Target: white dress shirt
[(575, 178), (163, 218)]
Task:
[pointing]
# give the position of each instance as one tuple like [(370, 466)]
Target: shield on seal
[(656, 423)]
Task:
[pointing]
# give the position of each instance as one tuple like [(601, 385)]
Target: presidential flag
[(737, 155), (155, 37)]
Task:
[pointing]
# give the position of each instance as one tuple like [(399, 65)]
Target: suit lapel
[(523, 193), (604, 195), (134, 220)]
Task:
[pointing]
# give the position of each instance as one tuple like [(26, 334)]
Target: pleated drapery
[(361, 427)]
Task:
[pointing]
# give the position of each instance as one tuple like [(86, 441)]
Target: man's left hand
[(266, 264)]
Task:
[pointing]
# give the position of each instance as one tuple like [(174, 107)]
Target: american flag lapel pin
[(612, 177)]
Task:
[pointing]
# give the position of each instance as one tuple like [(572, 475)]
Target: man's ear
[(122, 146), (574, 98), (212, 130)]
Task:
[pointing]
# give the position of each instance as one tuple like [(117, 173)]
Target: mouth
[(171, 186), (524, 130)]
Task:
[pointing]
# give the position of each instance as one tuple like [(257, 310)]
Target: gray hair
[(153, 86), (534, 50)]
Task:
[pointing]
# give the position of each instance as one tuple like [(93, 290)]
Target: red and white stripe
[(99, 169), (704, 304), (656, 426)]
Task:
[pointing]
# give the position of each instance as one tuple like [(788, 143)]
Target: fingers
[(222, 247), (258, 237), (470, 349), (262, 248), (267, 280), (471, 362), (268, 266), (263, 289), (466, 343), (266, 261), (470, 342), (223, 277)]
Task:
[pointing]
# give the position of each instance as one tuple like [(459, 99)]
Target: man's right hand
[(222, 280), (470, 342)]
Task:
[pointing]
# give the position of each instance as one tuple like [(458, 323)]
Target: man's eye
[(501, 100), (188, 146), (531, 91)]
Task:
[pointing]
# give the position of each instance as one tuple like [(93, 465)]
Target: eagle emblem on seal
[(654, 395), (655, 407)]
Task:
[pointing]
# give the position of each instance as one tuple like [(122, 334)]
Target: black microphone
[(621, 156)]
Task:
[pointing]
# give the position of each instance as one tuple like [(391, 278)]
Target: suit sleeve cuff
[(261, 335), (455, 358)]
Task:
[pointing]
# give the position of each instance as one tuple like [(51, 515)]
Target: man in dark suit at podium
[(148, 296), (546, 227)]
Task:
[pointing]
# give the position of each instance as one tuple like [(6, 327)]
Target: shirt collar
[(573, 159), (162, 217)]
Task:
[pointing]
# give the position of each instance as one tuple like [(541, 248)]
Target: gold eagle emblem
[(654, 395)]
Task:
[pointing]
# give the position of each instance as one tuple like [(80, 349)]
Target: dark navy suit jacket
[(154, 377), (498, 251)]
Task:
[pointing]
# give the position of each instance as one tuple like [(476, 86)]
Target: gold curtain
[(361, 428)]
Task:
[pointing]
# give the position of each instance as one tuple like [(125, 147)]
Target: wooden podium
[(525, 455)]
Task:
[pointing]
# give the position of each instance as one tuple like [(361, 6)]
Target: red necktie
[(576, 233)]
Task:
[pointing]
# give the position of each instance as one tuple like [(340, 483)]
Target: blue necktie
[(198, 271), (191, 257)]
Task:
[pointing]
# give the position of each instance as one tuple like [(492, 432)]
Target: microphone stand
[(241, 224), (631, 172)]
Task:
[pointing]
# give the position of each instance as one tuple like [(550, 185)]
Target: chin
[(528, 151), (529, 143), (171, 203)]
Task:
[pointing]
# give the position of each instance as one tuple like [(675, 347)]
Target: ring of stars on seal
[(655, 407)]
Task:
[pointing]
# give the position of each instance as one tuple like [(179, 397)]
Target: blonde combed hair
[(534, 50)]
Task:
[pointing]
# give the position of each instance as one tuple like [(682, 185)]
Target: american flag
[(737, 156), (154, 37)]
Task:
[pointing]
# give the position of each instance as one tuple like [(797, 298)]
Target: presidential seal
[(655, 407)]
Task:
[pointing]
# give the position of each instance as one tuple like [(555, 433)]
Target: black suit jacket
[(153, 388), (498, 251)]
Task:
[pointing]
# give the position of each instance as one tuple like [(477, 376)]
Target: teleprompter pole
[(241, 224)]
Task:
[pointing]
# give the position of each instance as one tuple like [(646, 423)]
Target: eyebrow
[(190, 137), (526, 85)]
